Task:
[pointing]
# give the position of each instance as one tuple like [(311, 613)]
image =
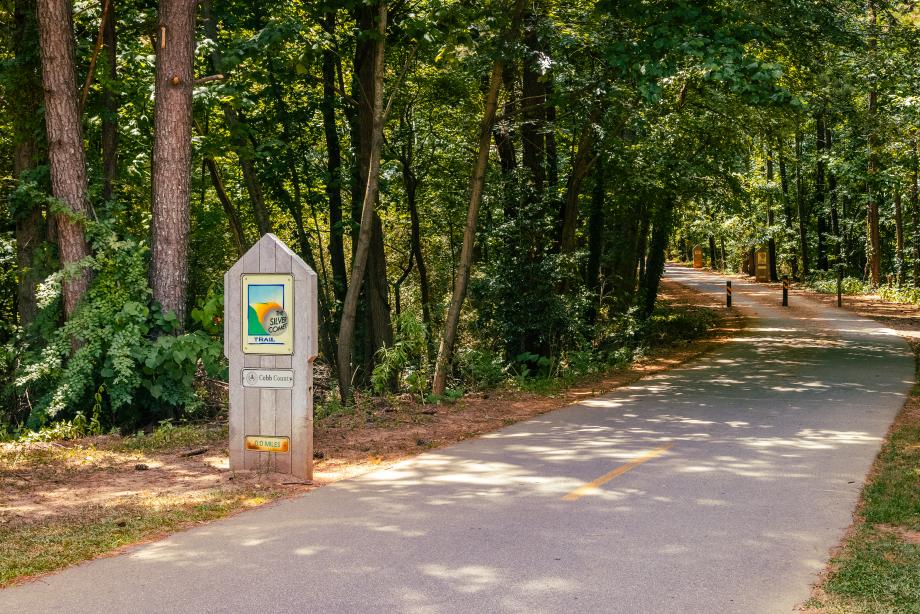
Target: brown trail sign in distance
[(762, 260), (270, 338), (697, 257)]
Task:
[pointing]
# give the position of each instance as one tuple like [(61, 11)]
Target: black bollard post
[(728, 294), (785, 291), (839, 286)]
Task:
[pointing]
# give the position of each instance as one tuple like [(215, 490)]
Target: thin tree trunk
[(446, 348), (533, 111), (110, 107), (362, 245), (27, 151), (820, 194), (787, 209), (800, 203), (899, 234), (771, 242), (233, 218), (644, 226), (872, 210), (333, 169), (65, 142), (235, 127), (580, 168), (661, 229), (915, 214), (596, 235), (410, 182), (172, 152)]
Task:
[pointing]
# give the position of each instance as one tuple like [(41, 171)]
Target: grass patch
[(172, 437), (878, 569), (43, 546)]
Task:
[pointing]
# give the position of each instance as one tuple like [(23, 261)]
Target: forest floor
[(69, 501)]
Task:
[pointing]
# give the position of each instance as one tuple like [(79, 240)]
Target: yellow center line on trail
[(593, 485)]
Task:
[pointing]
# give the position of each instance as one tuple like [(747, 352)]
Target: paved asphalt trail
[(771, 436)]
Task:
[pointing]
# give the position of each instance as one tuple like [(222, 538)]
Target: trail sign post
[(270, 338), (698, 257), (762, 270)]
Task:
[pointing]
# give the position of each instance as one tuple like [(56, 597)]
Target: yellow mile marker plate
[(267, 443)]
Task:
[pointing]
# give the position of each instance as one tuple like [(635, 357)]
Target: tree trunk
[(333, 169), (233, 218), (363, 243), (787, 210), (533, 111), (65, 142), (110, 107), (661, 229), (899, 234), (172, 152), (446, 348), (580, 168), (771, 242), (820, 194), (27, 152), (872, 215), (642, 245), (596, 230), (410, 182), (915, 214), (800, 203), (241, 146)]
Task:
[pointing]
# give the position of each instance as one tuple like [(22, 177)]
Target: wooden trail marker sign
[(697, 257), (762, 270), (270, 338)]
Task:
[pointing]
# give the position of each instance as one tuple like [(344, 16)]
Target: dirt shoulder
[(64, 502)]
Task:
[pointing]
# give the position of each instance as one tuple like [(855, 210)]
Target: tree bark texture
[(378, 329), (899, 234), (915, 214), (477, 183), (872, 214), (363, 243), (771, 242), (233, 218), (820, 193), (533, 109), (800, 203), (333, 169), (172, 152), (65, 142), (787, 210), (27, 151), (580, 168), (109, 106)]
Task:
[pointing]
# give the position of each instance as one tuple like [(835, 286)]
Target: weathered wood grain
[(266, 411)]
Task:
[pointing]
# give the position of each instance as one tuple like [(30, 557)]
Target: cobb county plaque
[(268, 378)]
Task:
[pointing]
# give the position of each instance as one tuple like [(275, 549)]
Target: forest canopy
[(481, 187)]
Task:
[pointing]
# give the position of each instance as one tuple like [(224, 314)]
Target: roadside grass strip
[(877, 571)]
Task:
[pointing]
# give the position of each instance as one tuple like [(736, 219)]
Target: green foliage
[(170, 436), (405, 363), (480, 369), (118, 352), (826, 283)]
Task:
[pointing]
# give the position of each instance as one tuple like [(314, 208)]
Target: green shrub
[(118, 351), (405, 363), (480, 369)]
